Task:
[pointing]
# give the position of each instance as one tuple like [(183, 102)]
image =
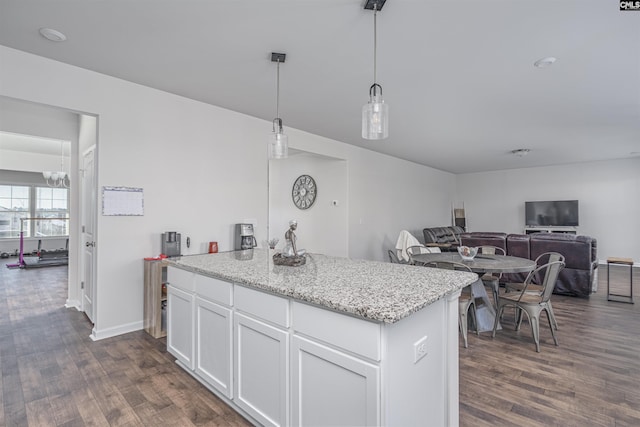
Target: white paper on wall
[(122, 201)]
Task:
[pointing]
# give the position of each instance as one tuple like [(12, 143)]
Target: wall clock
[(304, 192)]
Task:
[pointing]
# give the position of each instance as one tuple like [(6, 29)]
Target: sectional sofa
[(578, 278), (446, 238)]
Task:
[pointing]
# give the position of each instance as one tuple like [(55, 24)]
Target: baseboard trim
[(97, 335), (73, 303)]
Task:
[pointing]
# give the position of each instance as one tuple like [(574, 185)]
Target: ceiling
[(458, 75)]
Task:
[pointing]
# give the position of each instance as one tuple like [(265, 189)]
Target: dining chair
[(490, 280), (414, 250), (466, 301), (393, 258), (532, 302), (536, 285)]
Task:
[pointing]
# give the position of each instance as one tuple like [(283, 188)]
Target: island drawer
[(215, 290), (350, 333), (181, 279), (265, 306)]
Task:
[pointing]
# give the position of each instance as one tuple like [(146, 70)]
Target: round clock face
[(304, 192)]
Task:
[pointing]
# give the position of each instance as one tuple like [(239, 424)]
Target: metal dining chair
[(466, 301), (414, 250), (536, 285), (393, 258), (532, 302)]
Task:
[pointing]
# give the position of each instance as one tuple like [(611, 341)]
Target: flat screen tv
[(559, 213)]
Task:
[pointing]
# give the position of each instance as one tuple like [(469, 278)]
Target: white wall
[(21, 117), (323, 228), (29, 162), (387, 195), (608, 194), (195, 163)]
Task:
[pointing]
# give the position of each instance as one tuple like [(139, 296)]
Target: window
[(21, 201), (51, 203), (14, 204)]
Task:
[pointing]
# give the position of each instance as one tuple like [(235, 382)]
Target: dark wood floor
[(52, 374), (591, 379)]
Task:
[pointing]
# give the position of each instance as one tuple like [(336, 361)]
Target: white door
[(88, 215)]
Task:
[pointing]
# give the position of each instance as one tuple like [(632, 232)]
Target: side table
[(618, 297)]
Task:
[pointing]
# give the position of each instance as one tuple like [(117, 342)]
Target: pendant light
[(58, 178), (278, 141), (375, 113)]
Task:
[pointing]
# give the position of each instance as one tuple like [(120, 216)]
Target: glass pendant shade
[(375, 115), (278, 142)]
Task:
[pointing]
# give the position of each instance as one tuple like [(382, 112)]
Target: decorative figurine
[(290, 255), (290, 237)]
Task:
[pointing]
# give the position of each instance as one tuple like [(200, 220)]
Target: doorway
[(54, 124)]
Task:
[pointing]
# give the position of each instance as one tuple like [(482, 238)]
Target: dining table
[(482, 264)]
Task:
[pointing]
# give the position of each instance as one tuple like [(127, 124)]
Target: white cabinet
[(331, 388), (261, 365), (335, 373), (283, 362), (180, 325), (214, 335)]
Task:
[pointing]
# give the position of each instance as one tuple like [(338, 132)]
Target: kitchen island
[(334, 342)]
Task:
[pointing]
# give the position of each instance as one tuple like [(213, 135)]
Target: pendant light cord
[(61, 156), (278, 90), (375, 40)]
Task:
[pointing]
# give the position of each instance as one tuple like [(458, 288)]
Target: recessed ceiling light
[(545, 62), (53, 35), (520, 152)]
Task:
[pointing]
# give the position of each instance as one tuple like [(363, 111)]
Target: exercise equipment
[(42, 257)]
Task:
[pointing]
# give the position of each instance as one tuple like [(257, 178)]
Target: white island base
[(281, 362)]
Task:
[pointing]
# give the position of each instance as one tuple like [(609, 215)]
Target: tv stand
[(566, 230)]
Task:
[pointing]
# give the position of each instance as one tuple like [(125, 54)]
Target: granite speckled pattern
[(378, 291)]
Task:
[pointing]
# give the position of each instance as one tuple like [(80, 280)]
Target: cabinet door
[(261, 386), (180, 325), (214, 345), (331, 388)]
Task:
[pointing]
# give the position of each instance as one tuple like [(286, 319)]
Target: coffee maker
[(170, 243), (244, 238)]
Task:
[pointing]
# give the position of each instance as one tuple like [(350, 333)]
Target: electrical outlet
[(419, 349)]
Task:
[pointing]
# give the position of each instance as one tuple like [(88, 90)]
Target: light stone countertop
[(378, 291)]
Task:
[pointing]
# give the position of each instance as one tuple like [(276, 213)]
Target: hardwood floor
[(591, 379), (52, 374)]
